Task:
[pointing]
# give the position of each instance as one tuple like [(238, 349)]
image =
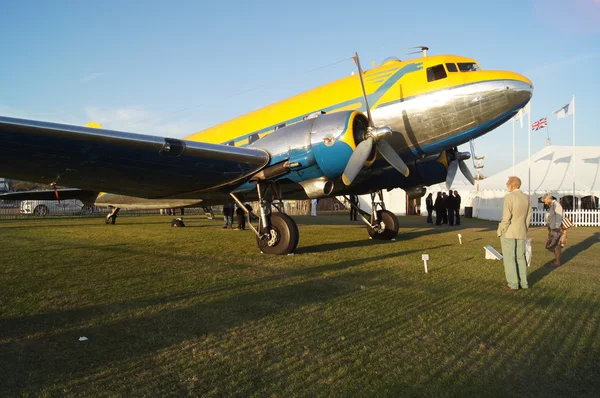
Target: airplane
[(397, 125)]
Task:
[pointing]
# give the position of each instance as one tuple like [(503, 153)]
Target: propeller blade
[(389, 154), (357, 160), (466, 172), (452, 168)]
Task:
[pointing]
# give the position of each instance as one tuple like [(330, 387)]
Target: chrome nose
[(518, 94)]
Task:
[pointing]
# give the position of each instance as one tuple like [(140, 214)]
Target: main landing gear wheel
[(283, 236), (388, 226)]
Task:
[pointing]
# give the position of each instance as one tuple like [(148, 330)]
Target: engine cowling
[(326, 141), (334, 137)]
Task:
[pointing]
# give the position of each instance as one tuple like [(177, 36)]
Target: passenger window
[(253, 138), (436, 73), (451, 67), (468, 67)]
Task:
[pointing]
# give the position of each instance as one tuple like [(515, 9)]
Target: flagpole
[(574, 201), (513, 173), (529, 153)]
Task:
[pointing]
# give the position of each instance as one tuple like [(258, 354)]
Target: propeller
[(457, 162), (357, 160), (373, 137)]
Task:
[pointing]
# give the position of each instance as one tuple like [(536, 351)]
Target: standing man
[(240, 214), (227, 215), (450, 205), (429, 206), (353, 211), (457, 207), (512, 230), (439, 209), (554, 218)]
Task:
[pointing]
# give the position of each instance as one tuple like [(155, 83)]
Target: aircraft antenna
[(422, 50)]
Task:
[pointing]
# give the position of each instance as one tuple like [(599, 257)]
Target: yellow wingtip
[(94, 125)]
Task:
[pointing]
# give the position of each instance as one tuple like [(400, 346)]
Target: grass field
[(198, 311)]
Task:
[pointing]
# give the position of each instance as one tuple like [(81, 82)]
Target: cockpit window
[(451, 67), (436, 73), (468, 67)]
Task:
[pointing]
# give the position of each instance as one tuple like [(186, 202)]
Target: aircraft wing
[(123, 163)]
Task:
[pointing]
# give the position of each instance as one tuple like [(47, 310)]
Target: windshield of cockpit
[(468, 66)]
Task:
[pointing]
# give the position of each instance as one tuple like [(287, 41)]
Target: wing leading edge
[(124, 163)]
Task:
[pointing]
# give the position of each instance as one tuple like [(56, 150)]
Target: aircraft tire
[(391, 226), (286, 235), (40, 210)]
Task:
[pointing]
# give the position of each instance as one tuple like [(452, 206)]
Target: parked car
[(9, 204), (52, 207)]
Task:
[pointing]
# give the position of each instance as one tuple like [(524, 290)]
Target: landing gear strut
[(277, 233), (381, 224), (111, 218)]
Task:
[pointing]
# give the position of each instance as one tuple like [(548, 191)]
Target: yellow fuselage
[(346, 94)]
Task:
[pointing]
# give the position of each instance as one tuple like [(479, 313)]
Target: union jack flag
[(540, 124)]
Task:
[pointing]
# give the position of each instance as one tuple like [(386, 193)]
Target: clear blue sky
[(174, 68)]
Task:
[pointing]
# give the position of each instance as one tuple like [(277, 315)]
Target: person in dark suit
[(227, 215), (440, 210), (449, 202), (241, 217), (353, 211), (457, 207), (429, 206), (444, 210)]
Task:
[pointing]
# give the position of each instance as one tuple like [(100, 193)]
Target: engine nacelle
[(333, 139), (325, 142)]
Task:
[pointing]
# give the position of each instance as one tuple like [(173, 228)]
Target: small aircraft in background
[(393, 126)]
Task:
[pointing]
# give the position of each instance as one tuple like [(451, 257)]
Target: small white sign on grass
[(491, 253), (425, 258)]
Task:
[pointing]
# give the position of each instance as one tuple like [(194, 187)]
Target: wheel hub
[(379, 227), (273, 238)]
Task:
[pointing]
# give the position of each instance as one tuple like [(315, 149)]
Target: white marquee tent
[(551, 172)]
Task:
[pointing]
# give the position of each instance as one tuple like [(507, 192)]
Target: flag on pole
[(564, 111), (522, 112), (540, 124)]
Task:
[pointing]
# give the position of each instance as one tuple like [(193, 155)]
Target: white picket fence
[(581, 218)]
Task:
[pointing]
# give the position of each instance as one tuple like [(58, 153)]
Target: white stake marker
[(460, 238), (425, 258)]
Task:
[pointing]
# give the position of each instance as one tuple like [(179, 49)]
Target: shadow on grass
[(402, 236), (16, 328), (512, 365), (54, 355), (567, 256)]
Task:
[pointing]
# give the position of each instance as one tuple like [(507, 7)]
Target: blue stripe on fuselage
[(372, 98)]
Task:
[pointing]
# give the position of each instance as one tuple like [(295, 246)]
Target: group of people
[(229, 209), (512, 231), (446, 206)]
